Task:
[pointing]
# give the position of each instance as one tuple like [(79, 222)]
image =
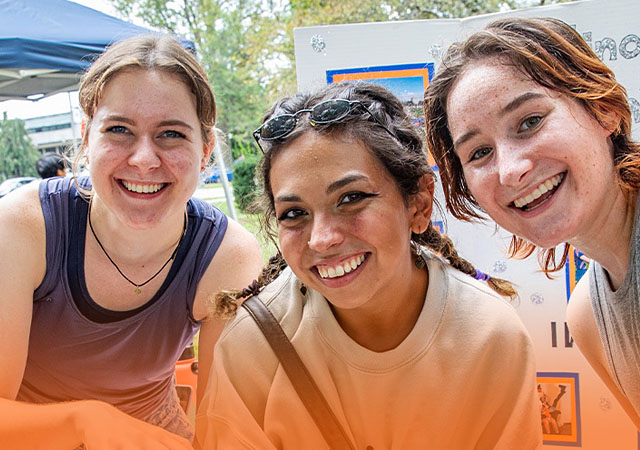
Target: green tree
[(247, 48), (18, 155), (226, 37), (304, 13), (245, 188)]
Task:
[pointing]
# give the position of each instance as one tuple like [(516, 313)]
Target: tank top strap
[(55, 196)]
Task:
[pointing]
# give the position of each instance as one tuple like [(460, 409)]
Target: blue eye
[(118, 129), (480, 153), (291, 214), (173, 134), (529, 123), (355, 197)]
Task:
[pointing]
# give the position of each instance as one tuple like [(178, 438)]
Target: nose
[(144, 154), (325, 233), (514, 163)]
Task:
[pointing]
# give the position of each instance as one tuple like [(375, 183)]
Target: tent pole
[(222, 170)]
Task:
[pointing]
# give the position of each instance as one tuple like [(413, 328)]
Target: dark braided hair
[(403, 156)]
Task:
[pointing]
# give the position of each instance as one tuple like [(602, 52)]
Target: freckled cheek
[(480, 183), (180, 162), (105, 155)]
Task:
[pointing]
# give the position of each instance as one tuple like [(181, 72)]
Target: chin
[(550, 240)]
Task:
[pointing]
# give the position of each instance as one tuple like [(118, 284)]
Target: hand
[(104, 427)]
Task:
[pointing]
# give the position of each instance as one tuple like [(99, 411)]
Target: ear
[(421, 205), (207, 149)]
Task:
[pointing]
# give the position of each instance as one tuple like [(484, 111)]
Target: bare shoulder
[(239, 243), (238, 257), (584, 330), (22, 227), (237, 262)]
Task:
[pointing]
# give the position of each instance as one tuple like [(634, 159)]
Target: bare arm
[(58, 425), (584, 330), (22, 266), (65, 426), (237, 262)]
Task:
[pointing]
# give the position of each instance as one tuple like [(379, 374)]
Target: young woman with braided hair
[(406, 349)]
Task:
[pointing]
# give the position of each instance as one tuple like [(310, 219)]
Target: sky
[(59, 103)]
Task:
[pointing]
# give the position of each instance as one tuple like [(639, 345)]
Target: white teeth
[(339, 270), (542, 189), (142, 188)]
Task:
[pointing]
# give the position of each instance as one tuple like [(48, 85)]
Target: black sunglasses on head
[(325, 112)]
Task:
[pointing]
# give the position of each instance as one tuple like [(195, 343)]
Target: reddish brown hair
[(555, 56)]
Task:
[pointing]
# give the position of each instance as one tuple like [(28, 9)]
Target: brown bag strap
[(299, 376)]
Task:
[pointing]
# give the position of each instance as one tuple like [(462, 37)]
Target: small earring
[(308, 242), (420, 262)]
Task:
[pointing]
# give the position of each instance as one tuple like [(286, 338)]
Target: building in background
[(55, 133)]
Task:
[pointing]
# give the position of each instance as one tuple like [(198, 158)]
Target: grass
[(249, 221)]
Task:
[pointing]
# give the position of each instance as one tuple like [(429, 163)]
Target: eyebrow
[(518, 101), (509, 107), (164, 123), (331, 188), (117, 118), (287, 198), (343, 182)]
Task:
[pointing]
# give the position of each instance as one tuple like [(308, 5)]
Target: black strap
[(300, 377)]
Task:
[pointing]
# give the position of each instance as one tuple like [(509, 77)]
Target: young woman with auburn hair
[(529, 126)]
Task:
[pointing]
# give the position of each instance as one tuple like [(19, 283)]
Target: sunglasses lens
[(330, 110), (277, 127)]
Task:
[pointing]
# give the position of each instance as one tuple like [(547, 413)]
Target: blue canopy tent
[(45, 45)]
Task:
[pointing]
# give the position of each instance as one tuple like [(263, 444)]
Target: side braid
[(225, 303), (443, 246)]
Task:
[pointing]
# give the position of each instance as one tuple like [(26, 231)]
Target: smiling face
[(535, 160), (145, 147), (343, 226)]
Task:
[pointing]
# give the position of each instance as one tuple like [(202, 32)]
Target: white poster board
[(403, 56)]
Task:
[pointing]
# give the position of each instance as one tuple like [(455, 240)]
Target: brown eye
[(291, 214), (354, 197)]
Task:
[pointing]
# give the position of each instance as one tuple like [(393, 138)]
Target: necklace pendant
[(138, 291)]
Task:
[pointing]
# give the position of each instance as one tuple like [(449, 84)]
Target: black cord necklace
[(138, 291)]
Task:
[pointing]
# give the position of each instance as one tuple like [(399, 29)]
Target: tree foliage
[(244, 182), (18, 155), (247, 49), (227, 46)]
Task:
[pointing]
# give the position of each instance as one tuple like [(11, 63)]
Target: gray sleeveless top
[(617, 315), (79, 350)]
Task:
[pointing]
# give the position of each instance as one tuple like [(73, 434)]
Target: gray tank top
[(617, 315), (79, 350)]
